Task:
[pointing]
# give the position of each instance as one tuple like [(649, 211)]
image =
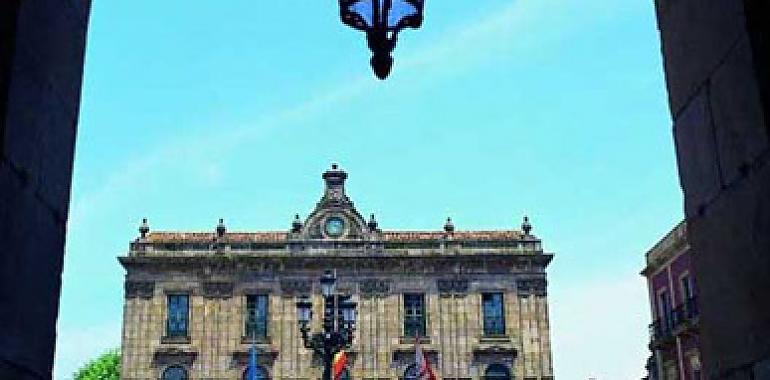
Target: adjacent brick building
[(674, 332), (194, 301)]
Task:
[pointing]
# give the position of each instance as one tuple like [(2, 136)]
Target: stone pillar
[(514, 328), (716, 64), (41, 62), (545, 338)]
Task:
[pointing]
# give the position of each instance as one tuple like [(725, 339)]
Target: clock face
[(334, 226)]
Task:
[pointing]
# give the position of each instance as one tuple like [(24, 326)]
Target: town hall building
[(195, 302)]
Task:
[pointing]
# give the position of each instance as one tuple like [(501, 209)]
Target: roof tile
[(280, 236)]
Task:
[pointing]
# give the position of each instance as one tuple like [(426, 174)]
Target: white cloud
[(599, 328), (196, 148)]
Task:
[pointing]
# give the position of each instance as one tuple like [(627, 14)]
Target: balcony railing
[(686, 313), (661, 330), (678, 319)]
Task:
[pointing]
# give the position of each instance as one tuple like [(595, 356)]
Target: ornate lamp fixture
[(381, 20), (338, 322)]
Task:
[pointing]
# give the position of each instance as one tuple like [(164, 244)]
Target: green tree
[(104, 367)]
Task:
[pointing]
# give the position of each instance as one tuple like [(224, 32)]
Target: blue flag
[(253, 361)]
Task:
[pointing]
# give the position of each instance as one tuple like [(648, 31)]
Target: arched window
[(497, 372), (174, 373), (411, 373), (261, 373)]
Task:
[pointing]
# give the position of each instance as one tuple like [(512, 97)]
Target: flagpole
[(253, 355)]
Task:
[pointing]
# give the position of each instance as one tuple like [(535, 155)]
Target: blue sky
[(196, 110)]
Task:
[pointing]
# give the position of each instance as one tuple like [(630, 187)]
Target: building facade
[(716, 56), (674, 332), (196, 301)]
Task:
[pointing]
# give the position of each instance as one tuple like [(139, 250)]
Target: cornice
[(481, 263)]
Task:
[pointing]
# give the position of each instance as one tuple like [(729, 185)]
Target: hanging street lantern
[(381, 20)]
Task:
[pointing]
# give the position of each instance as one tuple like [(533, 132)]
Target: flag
[(252, 374), (338, 364), (424, 372)]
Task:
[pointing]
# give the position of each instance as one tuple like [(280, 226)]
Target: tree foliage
[(104, 367)]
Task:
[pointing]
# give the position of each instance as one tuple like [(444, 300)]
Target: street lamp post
[(338, 323), (381, 20)]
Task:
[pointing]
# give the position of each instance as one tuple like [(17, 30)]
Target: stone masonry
[(42, 44), (715, 54)]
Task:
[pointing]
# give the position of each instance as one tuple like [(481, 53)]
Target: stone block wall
[(42, 45), (715, 58), (454, 344)]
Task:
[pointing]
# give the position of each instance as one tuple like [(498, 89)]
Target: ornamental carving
[(173, 356), (403, 356), (505, 353), (532, 286), (139, 289), (217, 289), (452, 286), (266, 356), (374, 286), (296, 287)]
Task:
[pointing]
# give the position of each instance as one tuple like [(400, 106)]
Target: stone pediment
[(166, 356), (495, 352), (403, 354), (335, 217), (266, 356)]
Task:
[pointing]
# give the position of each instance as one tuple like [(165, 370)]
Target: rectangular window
[(665, 310), (494, 319), (687, 292), (177, 315), (414, 315), (256, 316)]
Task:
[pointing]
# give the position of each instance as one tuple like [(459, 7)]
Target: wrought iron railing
[(687, 312), (682, 315), (678, 316), (661, 329)]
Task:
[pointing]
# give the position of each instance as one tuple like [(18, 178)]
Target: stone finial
[(449, 226), (372, 223), (335, 177), (526, 226), (296, 225), (144, 228), (221, 229)]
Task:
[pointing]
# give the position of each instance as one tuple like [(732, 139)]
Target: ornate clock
[(334, 226)]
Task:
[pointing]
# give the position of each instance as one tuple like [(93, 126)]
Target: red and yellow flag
[(338, 364), (425, 372)]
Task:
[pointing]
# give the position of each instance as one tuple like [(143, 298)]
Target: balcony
[(661, 333), (682, 319), (685, 316)]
